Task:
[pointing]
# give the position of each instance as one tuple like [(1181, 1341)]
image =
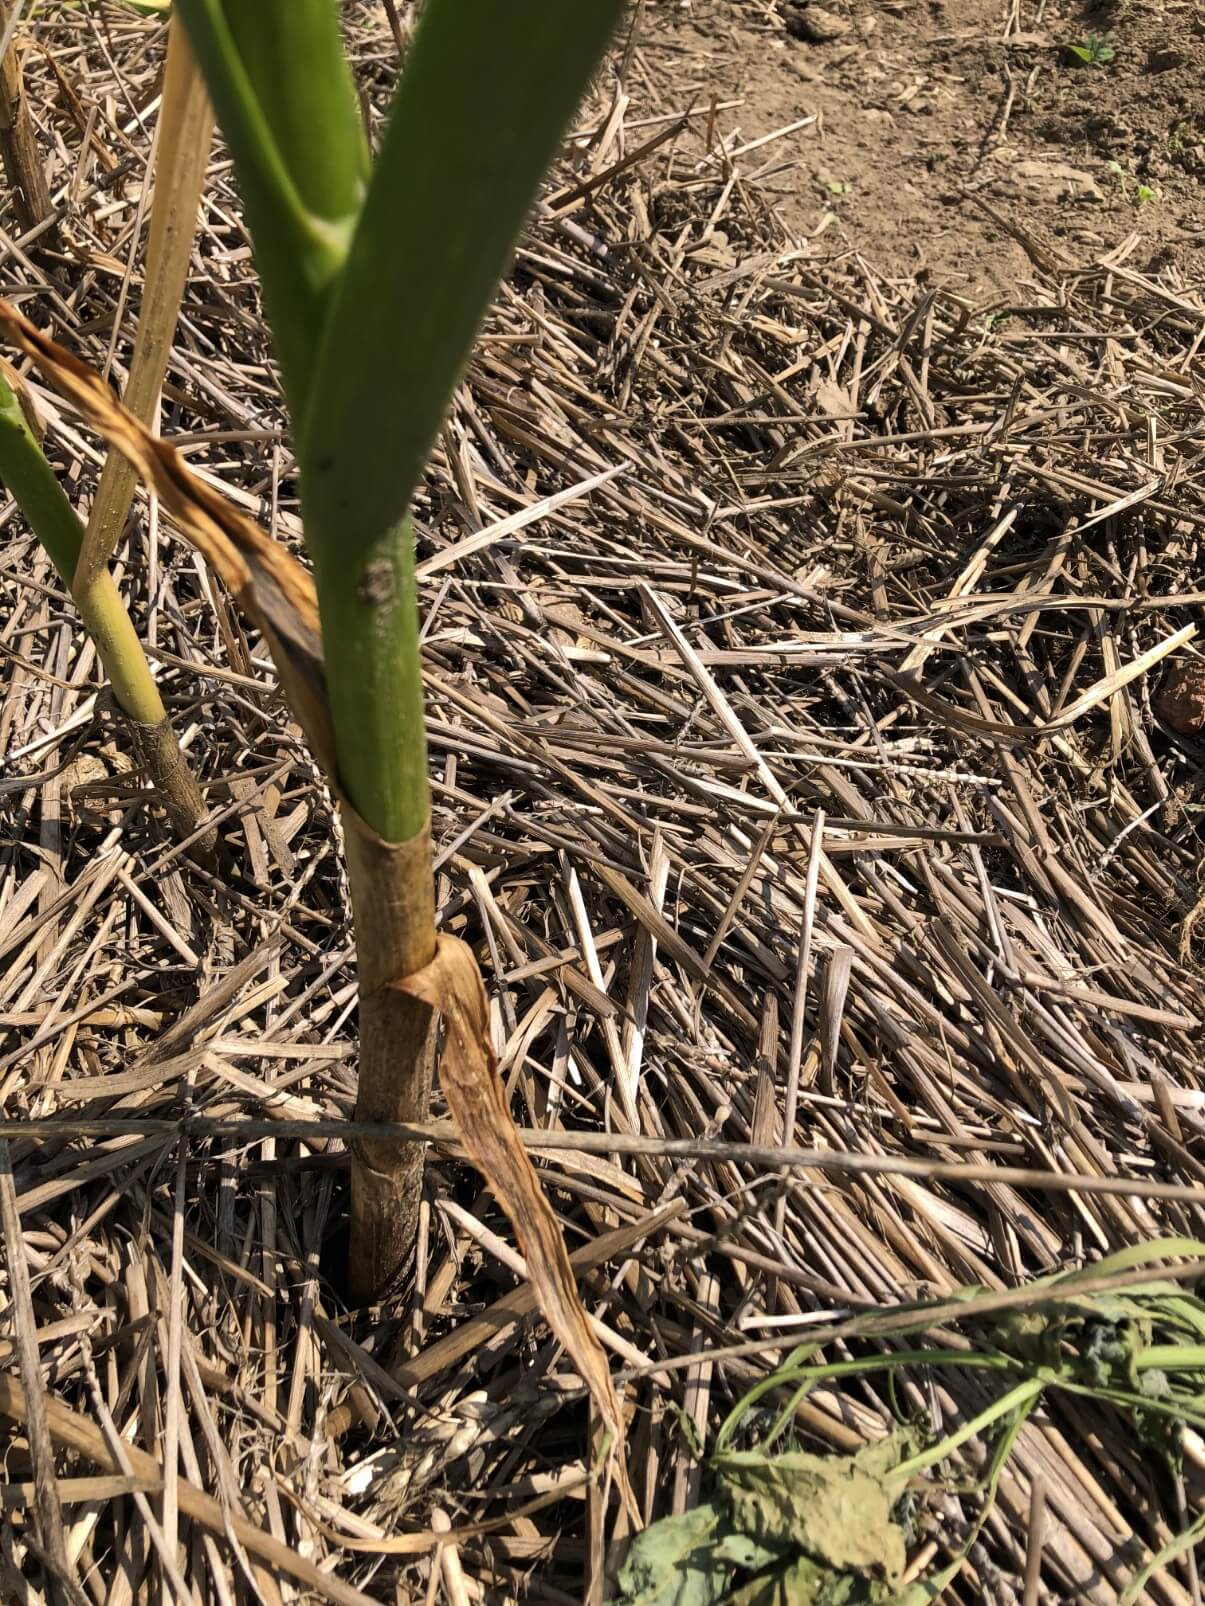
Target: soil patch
[(925, 110)]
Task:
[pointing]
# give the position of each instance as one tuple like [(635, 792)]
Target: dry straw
[(899, 591)]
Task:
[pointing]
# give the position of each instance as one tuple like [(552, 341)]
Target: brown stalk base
[(393, 900), (159, 753), (19, 148)]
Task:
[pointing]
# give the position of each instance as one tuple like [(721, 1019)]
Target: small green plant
[(1094, 51), (82, 556), (376, 275), (1133, 189), (785, 1525), (32, 483), (1185, 136)]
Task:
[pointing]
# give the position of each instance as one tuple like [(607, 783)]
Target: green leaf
[(801, 1583), (882, 1457), (831, 1508), (675, 1562), (36, 488), (748, 1554), (1094, 51), (812, 1530), (294, 57), (280, 85), (485, 97), (1192, 1536), (1140, 1254)]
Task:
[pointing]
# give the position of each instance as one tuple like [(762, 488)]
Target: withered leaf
[(452, 984), (271, 586)]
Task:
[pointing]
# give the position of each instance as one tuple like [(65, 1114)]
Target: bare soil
[(924, 109)]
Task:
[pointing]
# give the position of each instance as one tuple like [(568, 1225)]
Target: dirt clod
[(1181, 700), (1160, 60), (815, 24), (1053, 181)]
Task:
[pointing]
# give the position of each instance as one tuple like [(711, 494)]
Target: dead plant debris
[(792, 637)]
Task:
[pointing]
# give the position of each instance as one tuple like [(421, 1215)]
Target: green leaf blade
[(676, 1563), (485, 98), (293, 53), (35, 487), (297, 173)]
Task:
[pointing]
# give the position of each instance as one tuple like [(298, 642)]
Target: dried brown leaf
[(451, 984), (272, 587)]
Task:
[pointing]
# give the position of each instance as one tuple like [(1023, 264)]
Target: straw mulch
[(792, 638)]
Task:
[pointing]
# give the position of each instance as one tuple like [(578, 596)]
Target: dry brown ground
[(921, 105)]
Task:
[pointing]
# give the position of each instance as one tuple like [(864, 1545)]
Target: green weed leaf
[(802, 1583), (676, 1562), (828, 1506), (1094, 51), (797, 1529)]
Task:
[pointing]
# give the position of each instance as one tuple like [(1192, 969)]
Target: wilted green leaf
[(805, 1530), (885, 1455), (816, 1530), (834, 1510), (805, 1583), (675, 1562), (1107, 1352), (802, 1583), (748, 1554)]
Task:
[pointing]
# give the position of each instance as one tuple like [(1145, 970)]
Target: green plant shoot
[(35, 487), (376, 278)]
